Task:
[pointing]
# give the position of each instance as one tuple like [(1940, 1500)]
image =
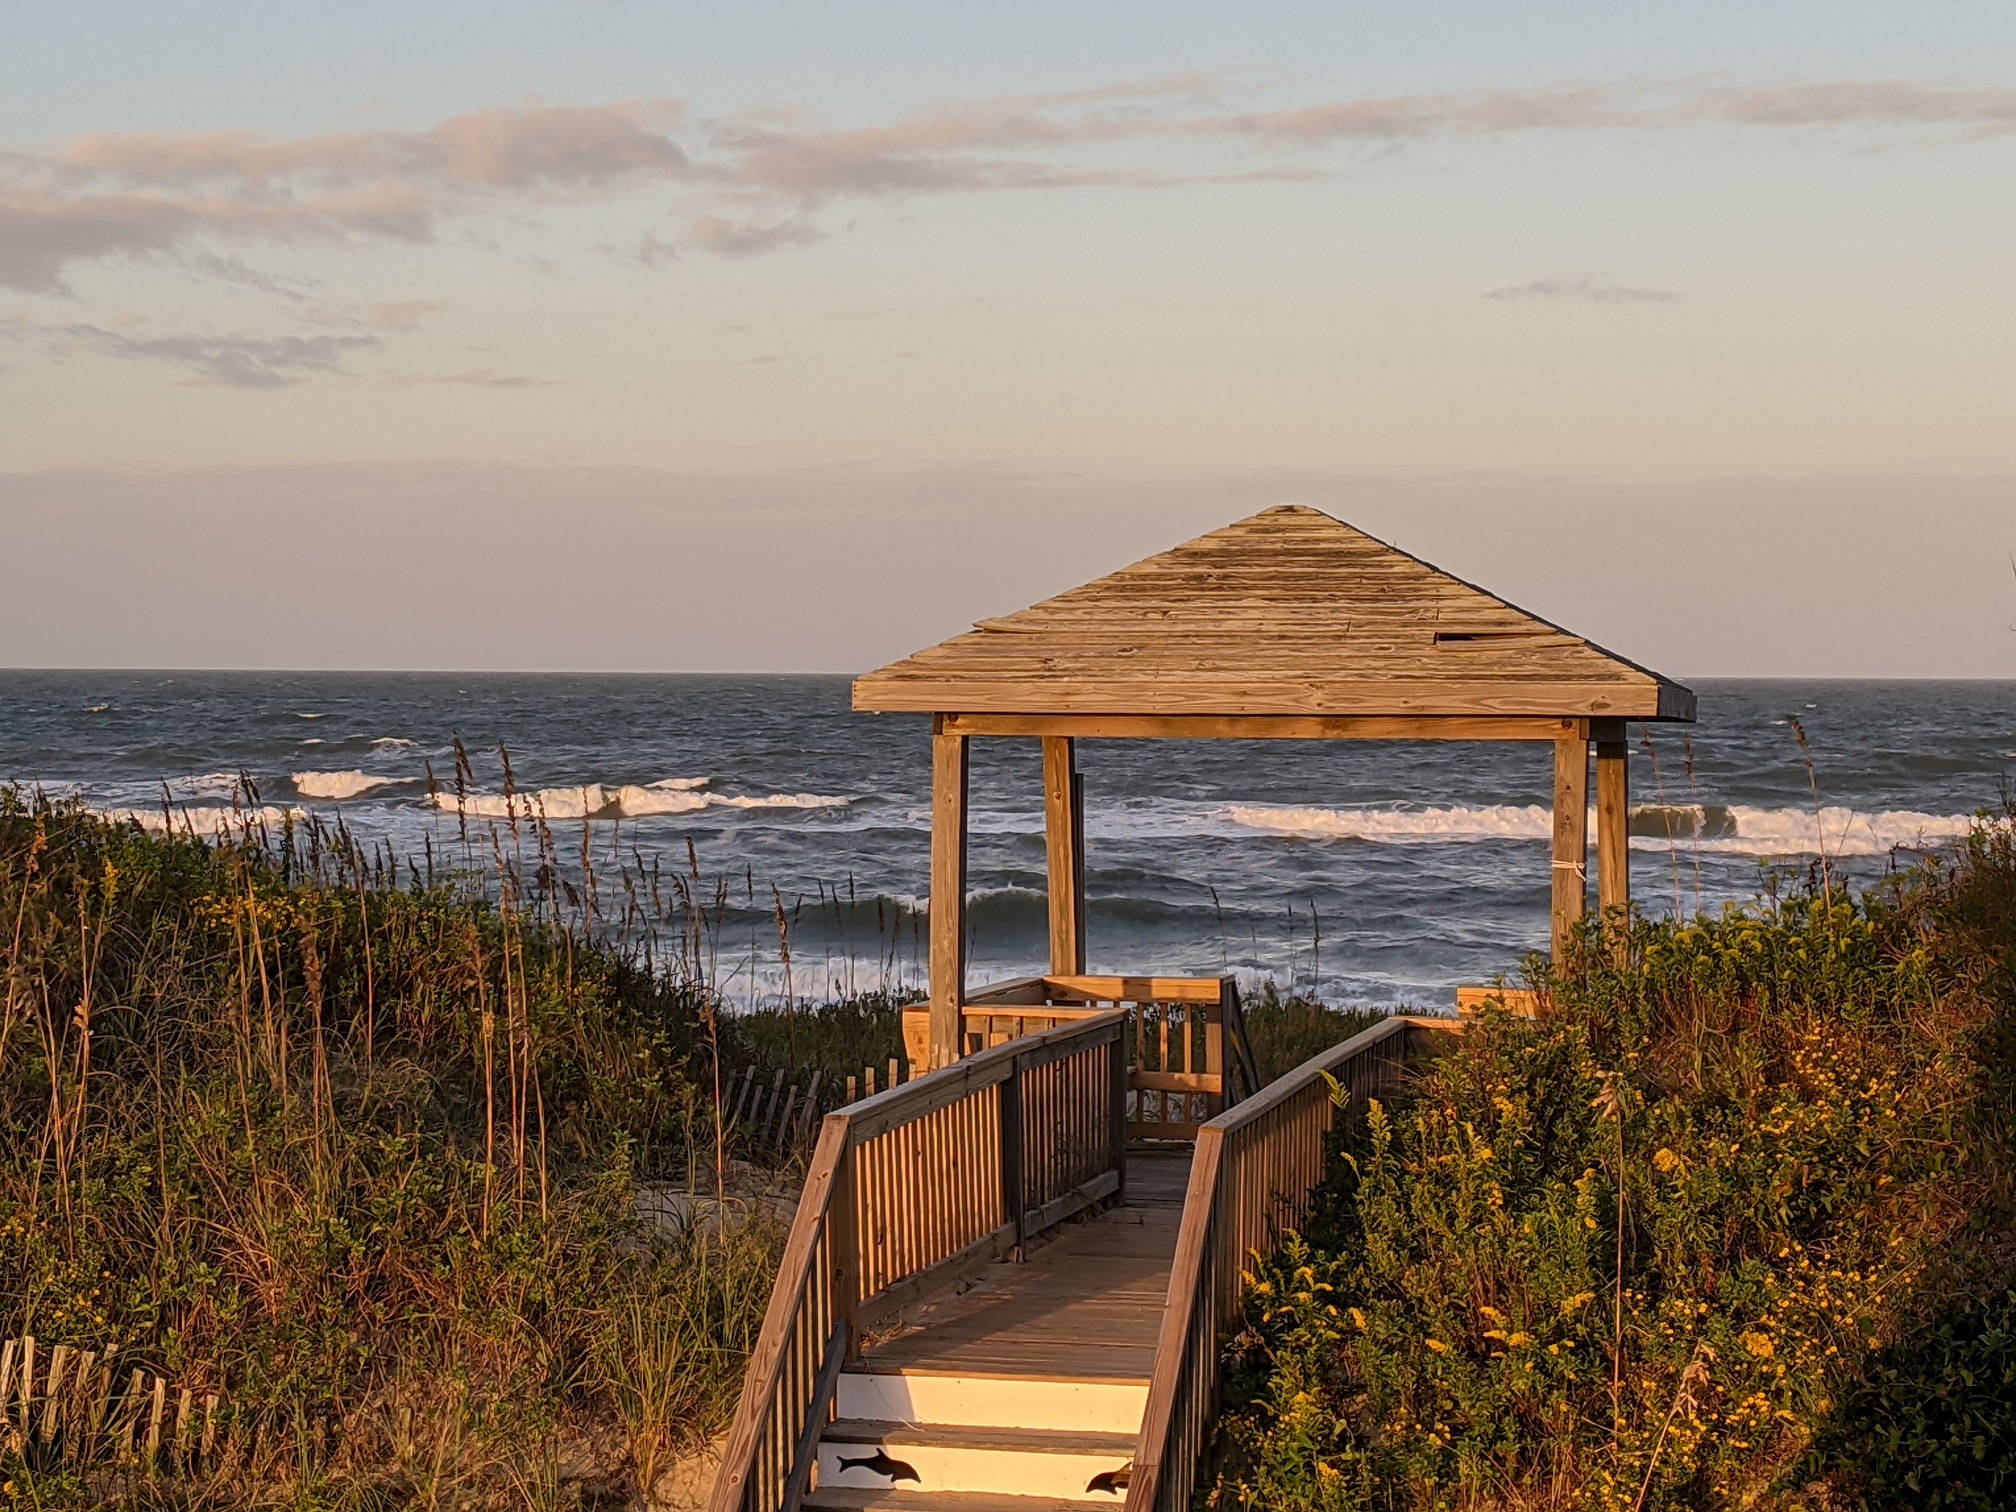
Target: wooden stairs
[(994, 1301)]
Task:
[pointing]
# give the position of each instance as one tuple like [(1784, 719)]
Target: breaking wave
[(1733, 830), (595, 800), (340, 785), (1836, 831), (207, 820), (1497, 821)]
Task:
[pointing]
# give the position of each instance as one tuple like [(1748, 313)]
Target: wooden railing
[(1250, 1179), (908, 1190), (1189, 1057)]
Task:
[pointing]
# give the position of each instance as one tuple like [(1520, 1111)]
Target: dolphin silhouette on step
[(879, 1463), (1113, 1482)]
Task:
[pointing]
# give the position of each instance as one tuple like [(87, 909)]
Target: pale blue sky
[(600, 280)]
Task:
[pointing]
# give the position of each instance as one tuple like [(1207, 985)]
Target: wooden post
[(1014, 1199), (1117, 1066), (1571, 838), (843, 1250), (948, 892), (1064, 830), (1613, 813)]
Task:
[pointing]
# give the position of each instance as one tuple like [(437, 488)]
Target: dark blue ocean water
[(1386, 872)]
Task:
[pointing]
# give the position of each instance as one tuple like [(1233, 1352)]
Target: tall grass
[(359, 1150)]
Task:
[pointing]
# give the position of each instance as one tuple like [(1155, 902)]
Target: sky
[(597, 334)]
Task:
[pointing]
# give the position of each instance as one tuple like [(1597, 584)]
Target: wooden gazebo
[(1286, 625)]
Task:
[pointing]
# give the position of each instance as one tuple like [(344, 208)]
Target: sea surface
[(1371, 872)]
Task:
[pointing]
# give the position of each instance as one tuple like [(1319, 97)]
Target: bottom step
[(848, 1499)]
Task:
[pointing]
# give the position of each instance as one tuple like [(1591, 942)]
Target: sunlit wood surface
[(1087, 1305)]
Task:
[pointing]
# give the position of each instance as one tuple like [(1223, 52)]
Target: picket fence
[(63, 1405), (782, 1115)]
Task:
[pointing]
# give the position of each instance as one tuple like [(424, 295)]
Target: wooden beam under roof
[(1264, 727)]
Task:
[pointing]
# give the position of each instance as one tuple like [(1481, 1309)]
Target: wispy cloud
[(755, 182), (479, 378), (732, 238), (230, 360), (1584, 288)]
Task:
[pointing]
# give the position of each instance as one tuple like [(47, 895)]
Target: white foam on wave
[(340, 785), (1833, 831), (1498, 821), (1757, 831), (206, 820), (595, 800), (673, 797), (395, 740)]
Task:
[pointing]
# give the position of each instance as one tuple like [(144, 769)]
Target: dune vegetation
[(1729, 1226), (350, 1152)]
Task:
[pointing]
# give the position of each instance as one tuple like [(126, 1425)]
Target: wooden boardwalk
[(1085, 1306)]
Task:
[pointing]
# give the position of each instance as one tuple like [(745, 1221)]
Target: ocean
[(1367, 872)]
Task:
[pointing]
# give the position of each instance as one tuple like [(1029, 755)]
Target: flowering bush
[(1640, 1251)]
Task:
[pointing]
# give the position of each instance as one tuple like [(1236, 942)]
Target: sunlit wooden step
[(838, 1499), (977, 1400), (971, 1458)]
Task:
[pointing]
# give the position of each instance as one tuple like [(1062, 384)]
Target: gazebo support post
[(948, 892), (1613, 813), (1571, 838), (1064, 832)]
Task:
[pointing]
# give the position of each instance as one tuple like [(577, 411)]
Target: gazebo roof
[(1287, 612)]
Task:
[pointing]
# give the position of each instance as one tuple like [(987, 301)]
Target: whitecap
[(395, 740), (1747, 831), (1498, 821), (594, 800), (299, 715), (580, 802), (1835, 831), (206, 820), (636, 802), (340, 785), (97, 708)]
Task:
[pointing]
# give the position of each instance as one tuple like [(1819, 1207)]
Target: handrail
[(907, 1191), (1250, 1179)]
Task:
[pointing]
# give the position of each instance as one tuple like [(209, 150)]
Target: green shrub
[(1641, 1251), (1932, 1421)]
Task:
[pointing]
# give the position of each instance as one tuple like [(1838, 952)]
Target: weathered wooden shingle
[(1287, 612)]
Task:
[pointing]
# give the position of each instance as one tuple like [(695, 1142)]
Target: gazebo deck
[(1086, 1306)]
